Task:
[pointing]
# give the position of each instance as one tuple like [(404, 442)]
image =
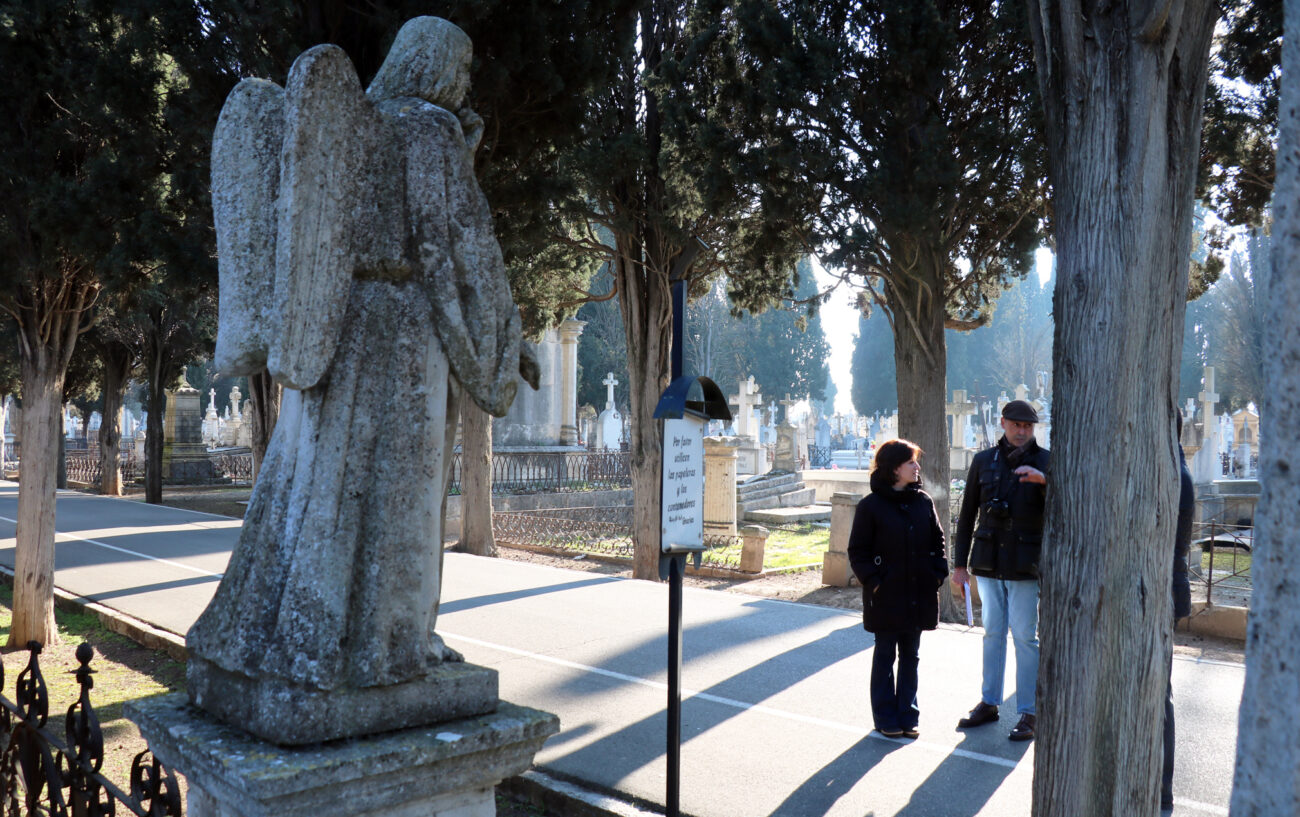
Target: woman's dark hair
[(889, 457)]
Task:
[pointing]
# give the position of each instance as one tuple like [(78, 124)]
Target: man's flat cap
[(1019, 410)]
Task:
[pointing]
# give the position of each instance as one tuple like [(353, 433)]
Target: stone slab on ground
[(791, 516)]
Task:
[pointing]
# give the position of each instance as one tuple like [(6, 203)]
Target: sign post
[(684, 407)]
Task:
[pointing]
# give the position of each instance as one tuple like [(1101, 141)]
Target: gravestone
[(609, 424), (786, 456), (1206, 466), (751, 457), (185, 459), (358, 264), (823, 437), (960, 453), (211, 422)]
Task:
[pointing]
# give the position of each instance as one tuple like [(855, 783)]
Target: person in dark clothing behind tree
[(1007, 488), (1182, 606), (896, 549)]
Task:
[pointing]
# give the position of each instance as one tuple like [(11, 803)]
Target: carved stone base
[(448, 770), (291, 714)]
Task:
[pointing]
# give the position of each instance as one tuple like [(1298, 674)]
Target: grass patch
[(124, 671), (1226, 562), (802, 545)]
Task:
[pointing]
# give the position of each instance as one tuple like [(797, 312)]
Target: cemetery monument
[(358, 263)]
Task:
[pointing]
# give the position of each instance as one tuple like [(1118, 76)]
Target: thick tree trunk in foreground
[(264, 393), (475, 480), (42, 427), (117, 368), (920, 360), (1268, 745), (1123, 86)]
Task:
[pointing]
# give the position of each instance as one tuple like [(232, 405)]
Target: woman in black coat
[(896, 549)]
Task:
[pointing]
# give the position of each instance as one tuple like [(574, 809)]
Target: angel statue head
[(430, 59)]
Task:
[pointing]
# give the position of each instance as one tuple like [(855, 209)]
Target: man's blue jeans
[(1014, 603)]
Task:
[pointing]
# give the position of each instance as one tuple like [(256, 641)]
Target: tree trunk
[(475, 480), (117, 368), (264, 393), (1268, 748), (646, 304), (4, 416), (920, 360), (1122, 87), (42, 428), (153, 444)]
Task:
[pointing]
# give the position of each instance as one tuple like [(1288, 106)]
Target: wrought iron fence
[(40, 774), (552, 472), (603, 531), (1220, 560), (87, 468), (235, 466), (819, 456)]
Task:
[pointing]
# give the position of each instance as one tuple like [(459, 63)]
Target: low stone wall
[(828, 482), (532, 502)]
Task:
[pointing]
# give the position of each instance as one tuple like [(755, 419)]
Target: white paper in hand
[(970, 614)]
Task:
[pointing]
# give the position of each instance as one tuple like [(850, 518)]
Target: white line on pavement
[(69, 537), (732, 702)]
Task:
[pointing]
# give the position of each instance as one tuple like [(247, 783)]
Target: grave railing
[(1220, 561), (604, 531), (235, 466), (516, 472), (87, 468), (41, 774)]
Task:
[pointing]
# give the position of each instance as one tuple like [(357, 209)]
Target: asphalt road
[(775, 719)]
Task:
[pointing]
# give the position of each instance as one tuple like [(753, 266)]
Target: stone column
[(836, 571), (753, 545), (720, 485), (569, 332)]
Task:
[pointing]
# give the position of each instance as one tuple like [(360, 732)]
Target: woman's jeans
[(1013, 603), (893, 698)]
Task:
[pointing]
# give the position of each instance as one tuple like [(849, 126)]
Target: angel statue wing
[(330, 130), (245, 186)]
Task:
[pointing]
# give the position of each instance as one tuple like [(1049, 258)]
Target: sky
[(840, 323)]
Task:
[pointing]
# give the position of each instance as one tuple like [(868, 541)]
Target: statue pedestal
[(448, 769)]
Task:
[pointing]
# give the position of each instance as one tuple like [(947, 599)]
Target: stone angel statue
[(358, 264)]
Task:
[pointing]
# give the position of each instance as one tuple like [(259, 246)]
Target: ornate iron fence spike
[(33, 695), (38, 775)]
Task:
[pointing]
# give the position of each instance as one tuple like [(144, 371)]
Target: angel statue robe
[(358, 264)]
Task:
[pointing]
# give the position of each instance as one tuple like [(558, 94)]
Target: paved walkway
[(775, 720)]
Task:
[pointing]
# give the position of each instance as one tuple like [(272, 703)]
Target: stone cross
[(787, 402), (610, 383), (959, 409), (745, 401), (234, 402), (1208, 398)]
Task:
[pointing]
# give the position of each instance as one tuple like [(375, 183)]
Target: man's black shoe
[(1023, 730), (982, 713)]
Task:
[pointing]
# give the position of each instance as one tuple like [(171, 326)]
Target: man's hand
[(960, 577), (1029, 473)]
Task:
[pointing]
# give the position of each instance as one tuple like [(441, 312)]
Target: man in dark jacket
[(1182, 608), (1007, 489)]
